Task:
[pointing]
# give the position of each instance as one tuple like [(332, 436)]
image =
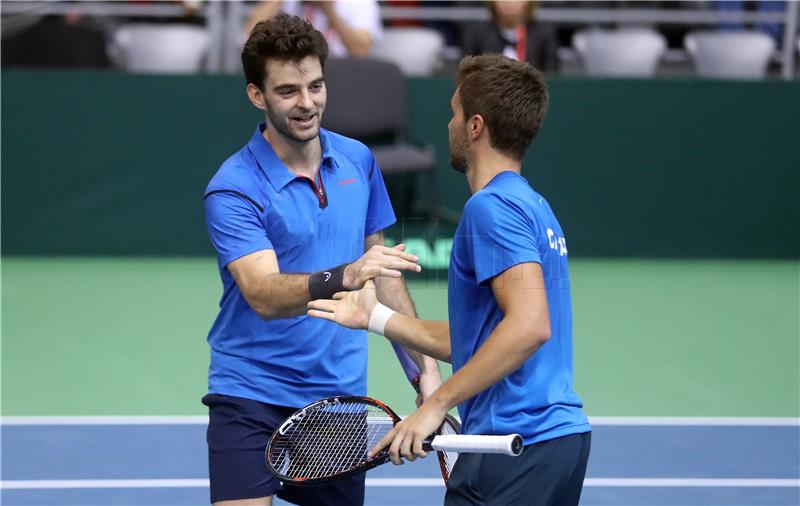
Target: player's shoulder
[(351, 149), (506, 188), (235, 173)]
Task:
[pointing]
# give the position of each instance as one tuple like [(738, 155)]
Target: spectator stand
[(224, 20)]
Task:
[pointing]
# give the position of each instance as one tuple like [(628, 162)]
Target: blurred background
[(671, 155)]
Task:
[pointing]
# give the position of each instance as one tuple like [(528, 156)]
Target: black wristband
[(322, 285)]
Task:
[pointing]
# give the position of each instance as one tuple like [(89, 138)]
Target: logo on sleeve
[(557, 243)]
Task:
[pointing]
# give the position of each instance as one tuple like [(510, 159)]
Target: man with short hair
[(291, 216), (509, 336)]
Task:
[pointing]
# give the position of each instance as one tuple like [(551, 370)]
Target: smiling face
[(294, 98)]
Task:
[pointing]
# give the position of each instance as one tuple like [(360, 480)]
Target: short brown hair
[(510, 95), (283, 37)]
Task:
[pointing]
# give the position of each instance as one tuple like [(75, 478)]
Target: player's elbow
[(542, 334), (540, 327), (533, 326), (264, 311), (535, 334), (265, 305)]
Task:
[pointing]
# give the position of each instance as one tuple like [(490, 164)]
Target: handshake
[(346, 294)]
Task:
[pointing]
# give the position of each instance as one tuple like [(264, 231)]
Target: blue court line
[(97, 452)]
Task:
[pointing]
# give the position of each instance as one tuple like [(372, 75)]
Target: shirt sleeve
[(234, 226), (379, 209), (501, 233)]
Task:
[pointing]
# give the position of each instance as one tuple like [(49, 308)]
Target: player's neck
[(302, 158), (486, 165)]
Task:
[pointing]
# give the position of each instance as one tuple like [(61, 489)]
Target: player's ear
[(476, 126), (256, 96)]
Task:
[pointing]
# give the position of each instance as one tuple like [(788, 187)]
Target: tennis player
[(509, 336), (295, 215)]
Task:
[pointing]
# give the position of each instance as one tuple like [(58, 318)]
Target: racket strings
[(315, 453), (329, 440), (345, 446), (448, 459), (302, 456), (356, 453), (336, 456)]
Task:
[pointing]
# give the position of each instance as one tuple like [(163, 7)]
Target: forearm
[(276, 295), (506, 349), (393, 293), (263, 10), (429, 337), (358, 42)]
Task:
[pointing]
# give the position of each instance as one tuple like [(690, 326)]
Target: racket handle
[(507, 445)]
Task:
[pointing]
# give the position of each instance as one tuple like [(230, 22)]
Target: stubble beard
[(458, 158), (282, 126), (459, 163)]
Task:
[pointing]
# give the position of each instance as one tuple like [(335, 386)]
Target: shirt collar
[(277, 173)]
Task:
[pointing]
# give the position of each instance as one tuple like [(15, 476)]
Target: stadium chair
[(159, 49), (417, 51), (367, 101), (625, 52), (736, 55)]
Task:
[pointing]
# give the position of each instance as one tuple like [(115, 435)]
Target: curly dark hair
[(510, 95), (283, 37)]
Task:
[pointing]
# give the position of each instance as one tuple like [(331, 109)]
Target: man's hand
[(379, 261), (348, 309), (405, 440)]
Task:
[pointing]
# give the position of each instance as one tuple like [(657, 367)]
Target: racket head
[(328, 440), (447, 460)]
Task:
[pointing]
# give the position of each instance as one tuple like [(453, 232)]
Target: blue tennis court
[(635, 461)]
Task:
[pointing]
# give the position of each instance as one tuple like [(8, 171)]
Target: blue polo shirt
[(505, 224), (253, 203)]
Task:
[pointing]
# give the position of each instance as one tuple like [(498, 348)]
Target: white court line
[(690, 482), (104, 420), (406, 482), (689, 421), (84, 484), (595, 420)]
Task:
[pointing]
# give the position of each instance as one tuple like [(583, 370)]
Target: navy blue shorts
[(238, 432), (549, 473)]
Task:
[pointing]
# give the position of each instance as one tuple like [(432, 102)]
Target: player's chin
[(307, 134)]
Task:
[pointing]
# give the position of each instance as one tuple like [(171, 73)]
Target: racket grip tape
[(511, 444)]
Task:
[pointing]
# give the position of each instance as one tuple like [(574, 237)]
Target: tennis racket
[(449, 427), (328, 440)]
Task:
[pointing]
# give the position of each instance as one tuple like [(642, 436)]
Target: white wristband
[(380, 315)]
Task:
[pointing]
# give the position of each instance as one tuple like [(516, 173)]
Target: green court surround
[(126, 336)]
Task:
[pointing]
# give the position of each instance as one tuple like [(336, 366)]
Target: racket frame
[(413, 374), (442, 456)]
